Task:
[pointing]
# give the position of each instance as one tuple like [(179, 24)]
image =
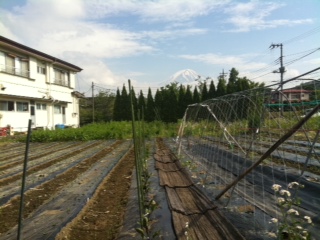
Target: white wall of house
[(41, 95)]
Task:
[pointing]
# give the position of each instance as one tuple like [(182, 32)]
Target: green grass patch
[(100, 131)]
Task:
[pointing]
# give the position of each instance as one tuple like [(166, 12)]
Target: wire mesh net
[(244, 143)]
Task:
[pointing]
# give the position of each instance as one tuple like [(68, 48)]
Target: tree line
[(168, 104)]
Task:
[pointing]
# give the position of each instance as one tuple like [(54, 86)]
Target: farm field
[(64, 179), (81, 189)]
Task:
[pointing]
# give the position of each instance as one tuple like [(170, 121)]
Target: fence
[(247, 143)]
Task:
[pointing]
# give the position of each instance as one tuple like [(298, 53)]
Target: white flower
[(272, 235), (308, 219), (273, 220), (299, 227), (187, 224), (285, 192), (293, 211), (293, 185), (186, 233), (276, 187), (281, 200)]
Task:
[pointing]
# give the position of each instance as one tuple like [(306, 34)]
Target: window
[(6, 105), (22, 107), (57, 109), (10, 64), (41, 68), (41, 106), (13, 64), (61, 77), (295, 96)]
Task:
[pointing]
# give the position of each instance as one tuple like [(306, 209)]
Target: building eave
[(30, 51), (10, 96)]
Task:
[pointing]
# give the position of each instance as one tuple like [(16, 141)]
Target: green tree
[(135, 104), (103, 108), (204, 93), (221, 87), (141, 104), (181, 101), (117, 106), (158, 105), (169, 105), (125, 105), (188, 97), (233, 77), (212, 90), (150, 111), (196, 96)]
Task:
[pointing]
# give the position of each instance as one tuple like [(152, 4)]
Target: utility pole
[(222, 75), (92, 97), (281, 71)]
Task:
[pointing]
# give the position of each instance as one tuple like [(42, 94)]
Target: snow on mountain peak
[(185, 76)]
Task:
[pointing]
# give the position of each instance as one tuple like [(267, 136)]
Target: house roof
[(30, 51), (296, 91)]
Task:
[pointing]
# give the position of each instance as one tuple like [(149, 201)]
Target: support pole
[(92, 102), (23, 181), (270, 150)]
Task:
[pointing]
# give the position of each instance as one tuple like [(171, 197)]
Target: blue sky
[(149, 41)]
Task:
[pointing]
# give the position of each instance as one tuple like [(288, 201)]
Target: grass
[(99, 131)]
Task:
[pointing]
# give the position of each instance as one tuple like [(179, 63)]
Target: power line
[(297, 59), (303, 35)]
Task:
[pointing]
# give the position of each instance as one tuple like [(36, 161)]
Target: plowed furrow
[(11, 189), (8, 153), (35, 153), (36, 197), (34, 169)]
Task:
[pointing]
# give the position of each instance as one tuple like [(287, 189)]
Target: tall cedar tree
[(196, 96), (141, 105), (170, 105), (204, 93), (181, 101), (188, 98), (158, 105), (212, 90), (135, 104), (222, 87), (150, 114), (117, 107), (125, 107), (233, 77)]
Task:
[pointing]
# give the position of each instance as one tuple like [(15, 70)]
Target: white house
[(36, 86)]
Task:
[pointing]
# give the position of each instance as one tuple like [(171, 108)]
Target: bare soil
[(103, 215), (100, 218)]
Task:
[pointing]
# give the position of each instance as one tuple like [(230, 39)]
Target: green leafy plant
[(290, 226)]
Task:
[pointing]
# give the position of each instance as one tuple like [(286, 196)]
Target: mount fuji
[(184, 77)]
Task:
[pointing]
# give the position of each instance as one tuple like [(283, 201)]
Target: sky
[(149, 41)]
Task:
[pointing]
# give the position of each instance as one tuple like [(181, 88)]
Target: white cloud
[(253, 16), (154, 11), (239, 62)]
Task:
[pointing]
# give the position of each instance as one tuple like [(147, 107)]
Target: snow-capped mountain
[(185, 77)]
